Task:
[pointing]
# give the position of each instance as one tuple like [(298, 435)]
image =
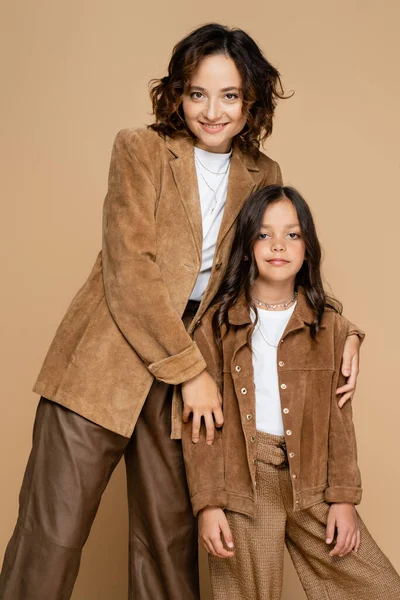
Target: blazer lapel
[(240, 186), (184, 173)]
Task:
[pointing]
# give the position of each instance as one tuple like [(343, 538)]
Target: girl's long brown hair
[(242, 269)]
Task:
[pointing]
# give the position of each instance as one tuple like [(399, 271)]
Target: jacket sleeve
[(205, 464), (353, 330), (344, 480), (136, 294)]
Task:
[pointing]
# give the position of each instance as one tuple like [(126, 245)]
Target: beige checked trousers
[(256, 570)]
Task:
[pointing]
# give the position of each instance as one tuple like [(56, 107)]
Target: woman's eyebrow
[(227, 89)]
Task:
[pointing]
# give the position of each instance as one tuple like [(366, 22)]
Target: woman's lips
[(213, 128), (278, 262)]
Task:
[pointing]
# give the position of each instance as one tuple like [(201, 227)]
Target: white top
[(269, 329), (212, 171)]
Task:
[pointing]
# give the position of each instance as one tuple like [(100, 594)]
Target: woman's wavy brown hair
[(261, 83)]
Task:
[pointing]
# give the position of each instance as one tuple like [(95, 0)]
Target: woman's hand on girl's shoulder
[(214, 530), (202, 399), (342, 519)]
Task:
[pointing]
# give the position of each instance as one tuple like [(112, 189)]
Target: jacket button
[(253, 439), (218, 265), (281, 363), (291, 454), (249, 417), (286, 410), (238, 368), (283, 386), (243, 391), (294, 476), (198, 323), (289, 432), (255, 461), (297, 502)]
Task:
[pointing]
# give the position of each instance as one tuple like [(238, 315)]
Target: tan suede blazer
[(124, 328), (319, 436)]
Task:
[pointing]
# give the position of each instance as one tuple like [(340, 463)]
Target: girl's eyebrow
[(266, 225)]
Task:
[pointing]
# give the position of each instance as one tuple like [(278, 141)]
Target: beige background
[(76, 72)]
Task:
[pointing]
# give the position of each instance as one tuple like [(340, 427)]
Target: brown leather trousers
[(70, 464)]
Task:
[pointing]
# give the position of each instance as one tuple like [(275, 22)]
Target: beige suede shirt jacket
[(319, 436), (124, 328)]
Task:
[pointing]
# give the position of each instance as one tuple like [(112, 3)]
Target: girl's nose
[(278, 246)]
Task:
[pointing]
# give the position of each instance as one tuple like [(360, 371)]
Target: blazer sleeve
[(205, 464), (344, 480), (136, 294)]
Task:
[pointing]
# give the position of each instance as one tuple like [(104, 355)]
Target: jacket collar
[(239, 314), (182, 145), (240, 186)]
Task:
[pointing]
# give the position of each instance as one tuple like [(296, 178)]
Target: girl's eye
[(196, 95), (293, 235), (262, 236), (231, 96)]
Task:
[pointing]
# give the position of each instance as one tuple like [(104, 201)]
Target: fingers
[(330, 528), (210, 431), (344, 399), (358, 541), (218, 416), (218, 549), (340, 544), (226, 532), (196, 427), (349, 388), (186, 413)]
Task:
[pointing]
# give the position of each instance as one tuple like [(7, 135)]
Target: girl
[(174, 193), (284, 466)]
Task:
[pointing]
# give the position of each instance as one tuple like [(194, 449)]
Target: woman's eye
[(231, 96), (196, 95), (293, 236)]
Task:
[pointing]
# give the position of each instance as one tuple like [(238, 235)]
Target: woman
[(174, 192)]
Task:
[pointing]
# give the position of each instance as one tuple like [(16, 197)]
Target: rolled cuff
[(209, 498), (180, 367), (354, 330), (343, 494)]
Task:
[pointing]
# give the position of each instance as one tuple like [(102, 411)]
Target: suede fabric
[(319, 436), (123, 329)]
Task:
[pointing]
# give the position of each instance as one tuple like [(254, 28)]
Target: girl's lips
[(213, 128), (278, 262)]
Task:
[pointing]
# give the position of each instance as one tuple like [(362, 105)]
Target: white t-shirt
[(212, 171), (269, 329)]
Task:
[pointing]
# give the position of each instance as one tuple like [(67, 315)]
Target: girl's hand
[(202, 398), (343, 517), (213, 523), (350, 368)]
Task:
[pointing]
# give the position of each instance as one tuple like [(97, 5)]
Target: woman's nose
[(211, 110)]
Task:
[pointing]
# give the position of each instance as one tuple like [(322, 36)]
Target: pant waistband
[(271, 449)]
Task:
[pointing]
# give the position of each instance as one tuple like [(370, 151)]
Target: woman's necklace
[(209, 170), (214, 191), (274, 306)]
